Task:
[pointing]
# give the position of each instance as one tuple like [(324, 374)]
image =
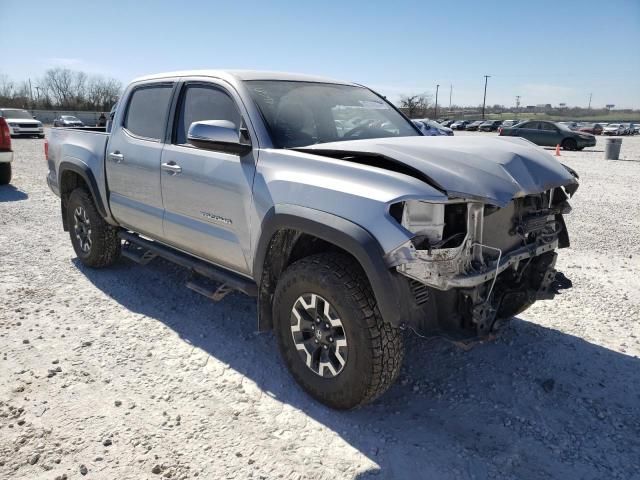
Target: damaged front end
[(473, 264)]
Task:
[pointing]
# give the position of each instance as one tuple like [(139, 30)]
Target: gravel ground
[(124, 373)]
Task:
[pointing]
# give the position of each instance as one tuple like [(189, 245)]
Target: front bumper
[(583, 142), (433, 269), (6, 157), (15, 131)]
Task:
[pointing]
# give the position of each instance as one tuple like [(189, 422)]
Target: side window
[(548, 126), (147, 111), (204, 103), (531, 125)]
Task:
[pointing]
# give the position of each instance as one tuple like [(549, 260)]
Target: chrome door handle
[(171, 168), (116, 157)]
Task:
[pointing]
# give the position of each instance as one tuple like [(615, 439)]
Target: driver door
[(207, 194)]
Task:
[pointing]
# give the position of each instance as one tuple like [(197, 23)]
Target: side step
[(216, 293), (138, 254), (150, 249)]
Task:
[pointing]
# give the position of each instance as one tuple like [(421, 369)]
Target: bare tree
[(6, 87), (416, 105), (58, 83)]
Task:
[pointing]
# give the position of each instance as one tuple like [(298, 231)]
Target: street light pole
[(484, 100), (435, 115)]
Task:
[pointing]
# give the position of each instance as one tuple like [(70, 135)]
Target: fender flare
[(86, 174), (340, 232)]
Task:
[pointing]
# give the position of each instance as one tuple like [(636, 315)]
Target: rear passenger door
[(133, 158), (549, 135), (529, 131), (207, 194)]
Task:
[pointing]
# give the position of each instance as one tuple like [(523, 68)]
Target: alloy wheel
[(318, 335), (82, 228)]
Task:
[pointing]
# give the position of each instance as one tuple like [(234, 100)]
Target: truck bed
[(85, 145)]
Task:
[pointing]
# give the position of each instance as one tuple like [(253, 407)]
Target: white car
[(614, 129), (22, 122)]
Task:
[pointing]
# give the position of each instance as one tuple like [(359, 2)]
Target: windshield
[(304, 113), (20, 114), (563, 126)]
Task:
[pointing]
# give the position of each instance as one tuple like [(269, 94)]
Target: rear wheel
[(330, 332), (569, 144), (95, 242), (5, 173)]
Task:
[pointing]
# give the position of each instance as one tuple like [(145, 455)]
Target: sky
[(559, 51)]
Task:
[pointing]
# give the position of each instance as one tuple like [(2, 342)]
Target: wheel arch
[(72, 176), (295, 232)]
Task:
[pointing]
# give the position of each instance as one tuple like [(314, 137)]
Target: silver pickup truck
[(324, 202)]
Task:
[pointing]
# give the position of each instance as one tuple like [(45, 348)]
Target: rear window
[(147, 111)]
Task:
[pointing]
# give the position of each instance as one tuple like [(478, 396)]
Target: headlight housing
[(424, 219)]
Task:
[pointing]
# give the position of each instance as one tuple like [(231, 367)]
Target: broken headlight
[(424, 219)]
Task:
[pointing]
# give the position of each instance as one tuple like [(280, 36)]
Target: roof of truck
[(243, 75)]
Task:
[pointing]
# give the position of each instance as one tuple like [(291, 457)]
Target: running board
[(215, 293), (137, 253), (229, 279)]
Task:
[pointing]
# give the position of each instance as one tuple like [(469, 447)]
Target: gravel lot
[(124, 373)]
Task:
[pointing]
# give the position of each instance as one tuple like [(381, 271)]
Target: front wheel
[(569, 144), (330, 332), (5, 173), (95, 242)]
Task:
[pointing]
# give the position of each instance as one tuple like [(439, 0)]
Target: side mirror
[(218, 135)]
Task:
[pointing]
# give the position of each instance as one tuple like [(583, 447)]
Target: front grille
[(27, 125)]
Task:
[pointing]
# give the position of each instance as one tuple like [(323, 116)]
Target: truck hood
[(494, 170)]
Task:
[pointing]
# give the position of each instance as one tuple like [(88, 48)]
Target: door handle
[(171, 168), (116, 157)]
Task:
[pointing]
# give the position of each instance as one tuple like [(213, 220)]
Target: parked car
[(614, 129), (6, 153), (343, 243), (448, 123), (22, 123), (473, 126), (570, 125), (510, 123), (67, 121), (459, 125), (594, 128), (629, 128), (490, 125), (431, 128), (550, 134)]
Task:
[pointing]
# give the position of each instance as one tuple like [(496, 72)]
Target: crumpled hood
[(494, 170)]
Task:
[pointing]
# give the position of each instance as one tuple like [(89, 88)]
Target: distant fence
[(47, 116)]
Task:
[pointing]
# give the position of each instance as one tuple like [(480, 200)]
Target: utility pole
[(517, 105), (484, 101), (38, 93), (30, 93), (435, 115), (589, 107), (450, 93)]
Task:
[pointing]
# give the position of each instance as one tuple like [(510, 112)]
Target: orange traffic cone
[(558, 150)]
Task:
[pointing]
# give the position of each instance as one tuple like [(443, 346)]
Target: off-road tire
[(105, 243), (5, 173), (375, 347), (569, 144)]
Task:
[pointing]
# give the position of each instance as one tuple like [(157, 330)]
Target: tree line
[(61, 88)]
